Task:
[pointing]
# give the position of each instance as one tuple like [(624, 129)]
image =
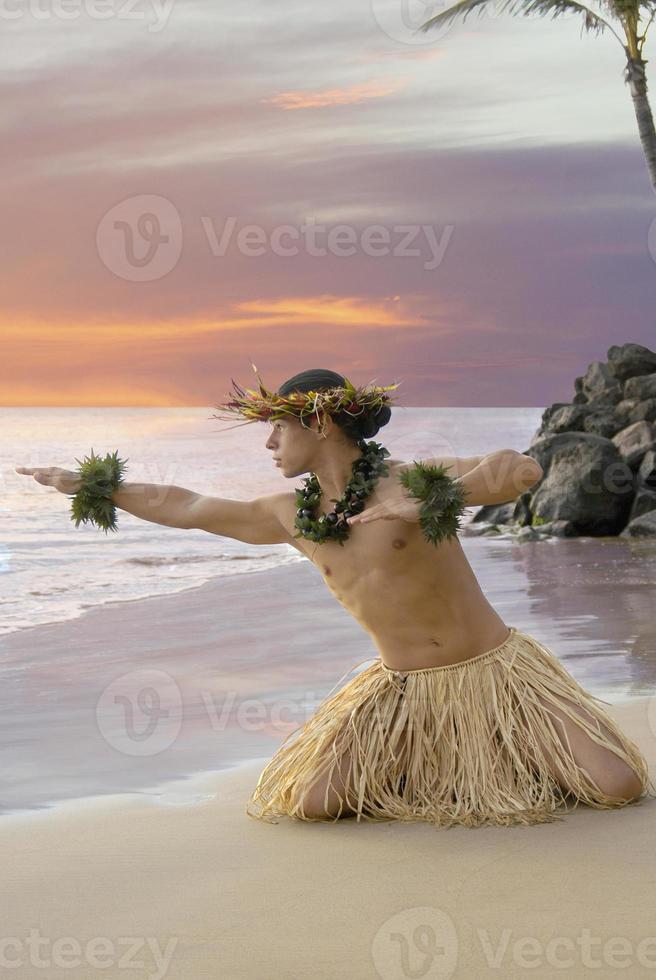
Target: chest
[(385, 545)]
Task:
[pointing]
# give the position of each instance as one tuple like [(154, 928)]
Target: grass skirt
[(456, 744)]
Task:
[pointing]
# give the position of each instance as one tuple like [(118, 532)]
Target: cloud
[(346, 95)]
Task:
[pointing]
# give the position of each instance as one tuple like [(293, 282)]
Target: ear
[(328, 424)]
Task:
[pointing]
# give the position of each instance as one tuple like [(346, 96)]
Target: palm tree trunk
[(637, 79)]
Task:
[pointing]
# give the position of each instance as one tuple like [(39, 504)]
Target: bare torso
[(420, 603)]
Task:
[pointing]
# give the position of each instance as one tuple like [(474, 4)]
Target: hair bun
[(369, 425)]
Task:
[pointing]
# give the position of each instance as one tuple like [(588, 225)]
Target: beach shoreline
[(207, 656), (206, 891)]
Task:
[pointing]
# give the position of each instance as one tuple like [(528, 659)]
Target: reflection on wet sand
[(591, 600)]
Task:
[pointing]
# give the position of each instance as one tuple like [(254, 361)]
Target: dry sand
[(207, 892)]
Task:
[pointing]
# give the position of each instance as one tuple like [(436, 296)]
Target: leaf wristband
[(93, 501), (443, 500)]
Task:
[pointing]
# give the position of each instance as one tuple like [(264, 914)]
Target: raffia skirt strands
[(456, 744)]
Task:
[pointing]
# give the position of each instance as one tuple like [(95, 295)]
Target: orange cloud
[(347, 95), (292, 311), (69, 392)]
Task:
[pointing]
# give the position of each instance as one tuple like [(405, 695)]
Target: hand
[(398, 504), (53, 476)]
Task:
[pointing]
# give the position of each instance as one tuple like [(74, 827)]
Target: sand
[(205, 891)]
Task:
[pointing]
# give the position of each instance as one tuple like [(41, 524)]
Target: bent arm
[(500, 477)]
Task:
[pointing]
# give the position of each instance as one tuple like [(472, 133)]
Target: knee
[(623, 788), (312, 806)]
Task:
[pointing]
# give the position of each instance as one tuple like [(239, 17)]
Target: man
[(462, 719)]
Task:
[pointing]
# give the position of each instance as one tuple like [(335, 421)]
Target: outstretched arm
[(154, 502), (258, 521)]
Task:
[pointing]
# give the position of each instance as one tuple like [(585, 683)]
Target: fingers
[(40, 473), (374, 514)]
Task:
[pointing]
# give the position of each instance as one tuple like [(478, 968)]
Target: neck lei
[(365, 473)]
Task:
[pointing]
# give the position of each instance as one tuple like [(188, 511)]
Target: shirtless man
[(420, 603), (386, 565)]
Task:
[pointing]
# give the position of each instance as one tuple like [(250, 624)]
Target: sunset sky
[(182, 183)]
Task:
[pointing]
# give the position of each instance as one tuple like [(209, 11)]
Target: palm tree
[(627, 13)]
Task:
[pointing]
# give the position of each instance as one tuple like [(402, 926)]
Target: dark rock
[(557, 529), (602, 422), (609, 397), (522, 510), (579, 398), (599, 384), (625, 409), (528, 534), (634, 441), (495, 513), (647, 471), (641, 527), (645, 501), (568, 418), (645, 411), (549, 412), (630, 360), (585, 481), (640, 388)]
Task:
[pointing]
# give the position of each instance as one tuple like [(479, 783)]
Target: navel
[(326, 570), (398, 543)]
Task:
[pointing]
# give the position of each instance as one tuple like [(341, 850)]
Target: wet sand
[(173, 879), (240, 662)]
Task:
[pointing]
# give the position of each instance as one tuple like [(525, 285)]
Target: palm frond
[(592, 21)]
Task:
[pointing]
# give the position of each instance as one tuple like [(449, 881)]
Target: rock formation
[(598, 454)]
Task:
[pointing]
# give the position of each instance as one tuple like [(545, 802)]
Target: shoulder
[(278, 504)]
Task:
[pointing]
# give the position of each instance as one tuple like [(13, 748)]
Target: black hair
[(363, 426)]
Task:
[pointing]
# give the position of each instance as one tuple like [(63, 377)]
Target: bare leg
[(313, 799), (614, 777)]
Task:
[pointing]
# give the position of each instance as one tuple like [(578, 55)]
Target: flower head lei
[(264, 405)]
